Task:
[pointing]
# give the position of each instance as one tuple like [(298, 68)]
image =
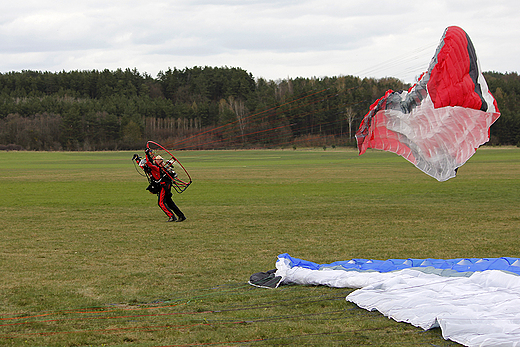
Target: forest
[(202, 108)]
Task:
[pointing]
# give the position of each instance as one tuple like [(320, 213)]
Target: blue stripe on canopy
[(459, 264)]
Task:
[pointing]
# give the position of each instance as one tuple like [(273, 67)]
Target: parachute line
[(251, 116), (279, 123)]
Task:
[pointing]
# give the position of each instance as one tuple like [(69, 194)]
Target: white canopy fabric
[(473, 308)]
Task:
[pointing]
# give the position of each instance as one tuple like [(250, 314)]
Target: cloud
[(271, 38)]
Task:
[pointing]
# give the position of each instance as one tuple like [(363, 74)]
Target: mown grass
[(87, 258)]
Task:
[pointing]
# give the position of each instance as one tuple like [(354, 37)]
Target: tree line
[(201, 108)]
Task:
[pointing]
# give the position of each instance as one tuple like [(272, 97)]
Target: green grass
[(87, 258)]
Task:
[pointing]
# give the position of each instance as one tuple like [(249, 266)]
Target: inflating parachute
[(438, 123)]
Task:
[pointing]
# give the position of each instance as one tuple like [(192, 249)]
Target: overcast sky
[(273, 39)]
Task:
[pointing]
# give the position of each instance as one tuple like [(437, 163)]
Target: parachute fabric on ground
[(266, 279), (475, 302), (438, 123)]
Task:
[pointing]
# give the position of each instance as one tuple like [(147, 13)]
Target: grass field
[(87, 258)]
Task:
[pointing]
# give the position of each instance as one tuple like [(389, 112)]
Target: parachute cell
[(438, 123)]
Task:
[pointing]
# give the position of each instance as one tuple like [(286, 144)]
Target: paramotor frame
[(181, 179)]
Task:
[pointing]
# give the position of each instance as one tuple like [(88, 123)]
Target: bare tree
[(237, 106), (350, 115)]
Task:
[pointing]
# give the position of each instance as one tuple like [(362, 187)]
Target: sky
[(271, 39)]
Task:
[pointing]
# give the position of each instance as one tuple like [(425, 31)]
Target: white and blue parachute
[(475, 302)]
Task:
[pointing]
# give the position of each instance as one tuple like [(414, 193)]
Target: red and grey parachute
[(438, 123)]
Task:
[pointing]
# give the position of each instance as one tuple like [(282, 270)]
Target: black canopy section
[(265, 279)]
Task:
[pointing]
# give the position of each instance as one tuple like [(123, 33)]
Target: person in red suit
[(160, 184)]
